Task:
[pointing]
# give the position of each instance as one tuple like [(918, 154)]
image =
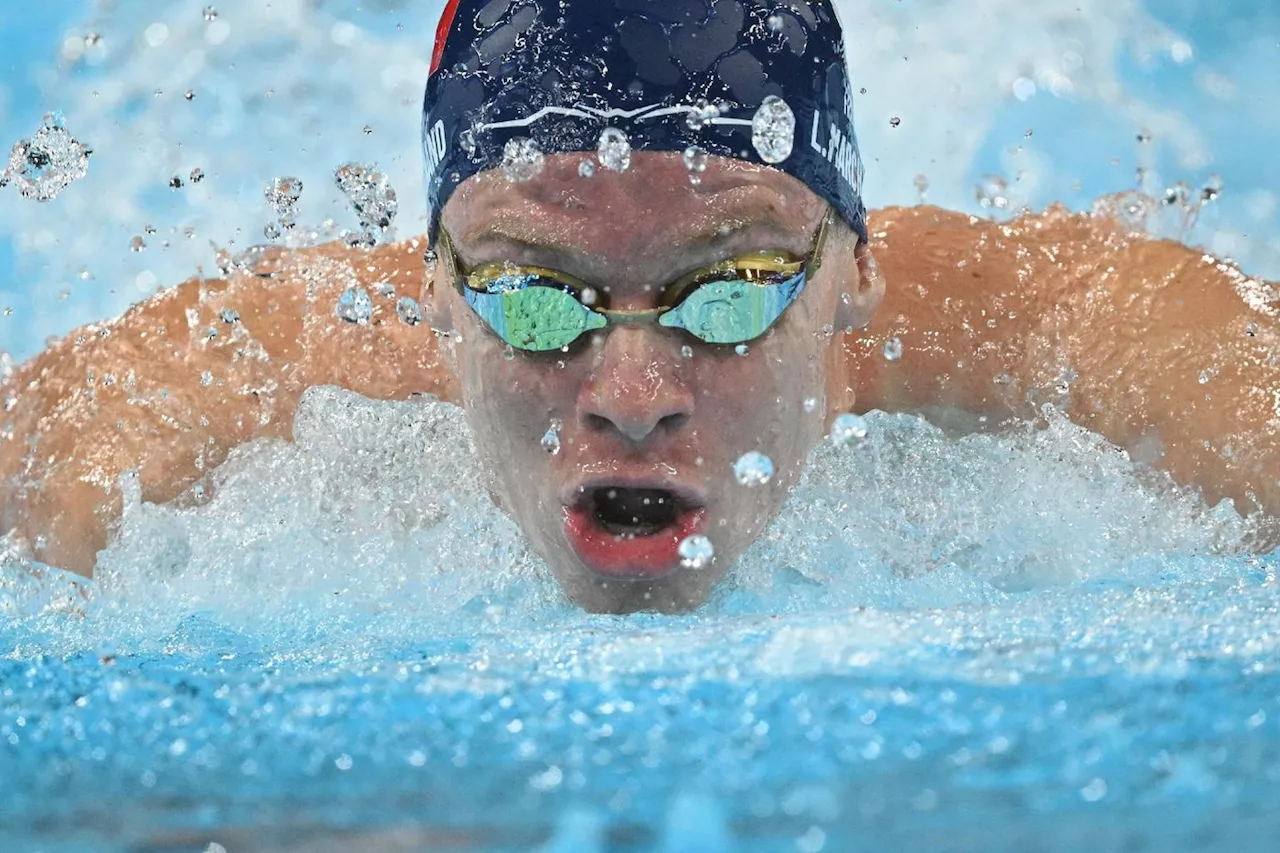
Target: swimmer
[(700, 282)]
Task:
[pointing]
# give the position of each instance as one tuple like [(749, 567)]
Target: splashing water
[(373, 199), (522, 160), (283, 195), (355, 306), (46, 164), (551, 440), (773, 130), (753, 469), (702, 115), (696, 552), (848, 430), (347, 623), (409, 311), (614, 150)]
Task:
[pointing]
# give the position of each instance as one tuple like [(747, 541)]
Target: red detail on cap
[(442, 34)]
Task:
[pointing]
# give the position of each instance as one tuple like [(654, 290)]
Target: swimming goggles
[(542, 310)]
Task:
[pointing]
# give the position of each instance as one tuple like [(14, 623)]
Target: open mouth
[(634, 512), (621, 531)]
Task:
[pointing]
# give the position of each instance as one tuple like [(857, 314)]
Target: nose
[(635, 388)]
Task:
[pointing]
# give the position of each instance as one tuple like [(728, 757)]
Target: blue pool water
[(1071, 654), (998, 643)]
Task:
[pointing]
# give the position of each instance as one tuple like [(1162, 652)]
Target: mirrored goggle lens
[(534, 318), (537, 318), (733, 311)]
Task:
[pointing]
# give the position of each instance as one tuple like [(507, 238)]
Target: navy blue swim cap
[(755, 80)]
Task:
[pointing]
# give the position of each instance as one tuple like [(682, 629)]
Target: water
[(997, 643), (993, 642)]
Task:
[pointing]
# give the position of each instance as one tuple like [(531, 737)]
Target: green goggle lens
[(535, 317), (536, 314)]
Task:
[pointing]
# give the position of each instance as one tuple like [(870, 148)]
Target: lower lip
[(639, 558)]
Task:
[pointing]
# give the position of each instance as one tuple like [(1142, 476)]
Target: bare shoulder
[(173, 385)]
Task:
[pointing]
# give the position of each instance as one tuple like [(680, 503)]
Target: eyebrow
[(702, 244)]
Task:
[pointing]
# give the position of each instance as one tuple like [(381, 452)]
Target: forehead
[(653, 202)]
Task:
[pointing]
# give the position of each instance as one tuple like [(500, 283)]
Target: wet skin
[(990, 315), (638, 409)]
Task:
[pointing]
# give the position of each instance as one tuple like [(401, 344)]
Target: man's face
[(650, 420)]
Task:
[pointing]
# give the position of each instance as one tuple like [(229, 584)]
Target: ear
[(858, 304)]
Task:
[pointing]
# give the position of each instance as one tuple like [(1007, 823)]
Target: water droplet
[(773, 130), (587, 169), (696, 552), (848, 430), (895, 122), (686, 351), (1211, 190), (811, 405), (695, 160), (589, 296), (509, 352), (1207, 375), (893, 349), (190, 95), (196, 176), (176, 182), (702, 114), (753, 469), (408, 310), (522, 160), (467, 142), (206, 379), (430, 257), (230, 316), (46, 164), (137, 244), (922, 187), (1144, 136), (210, 13), (372, 197), (614, 150), (551, 440), (355, 306), (283, 194)]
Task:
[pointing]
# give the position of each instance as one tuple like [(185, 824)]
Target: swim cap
[(754, 80)]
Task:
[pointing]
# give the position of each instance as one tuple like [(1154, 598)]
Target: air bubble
[(893, 349), (773, 130), (355, 306), (522, 160), (696, 552), (753, 469), (409, 312), (848, 430), (614, 150)]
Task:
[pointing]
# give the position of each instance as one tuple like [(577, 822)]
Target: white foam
[(376, 524)]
